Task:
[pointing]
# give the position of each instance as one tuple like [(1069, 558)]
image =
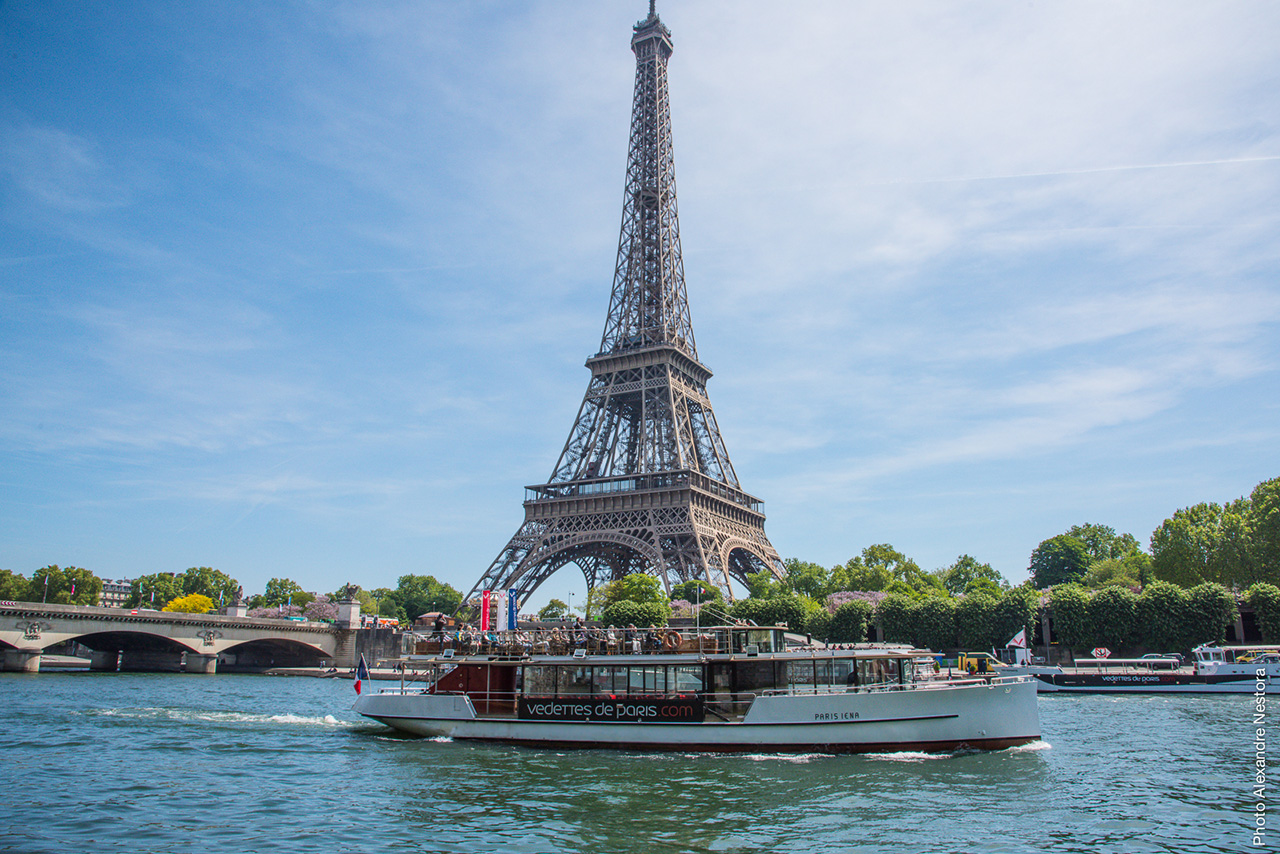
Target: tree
[(192, 603), (1058, 560), (1113, 615), (14, 587), (976, 624), (218, 586), (320, 609), (896, 618), (807, 579), (155, 591), (849, 622), (1101, 542), (70, 586), (1262, 522), (1015, 610), (1206, 542), (1163, 617), (785, 610), (935, 620), (1132, 570), (422, 594), (282, 591), (1265, 599), (966, 570), (1069, 608), (763, 585), (856, 575), (553, 610), (697, 592), (1210, 609), (625, 613)]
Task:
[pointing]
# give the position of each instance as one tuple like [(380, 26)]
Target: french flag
[(362, 672)]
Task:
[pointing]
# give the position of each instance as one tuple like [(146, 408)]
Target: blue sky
[(305, 289)]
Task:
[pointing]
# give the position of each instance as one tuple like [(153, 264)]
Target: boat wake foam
[(187, 715)]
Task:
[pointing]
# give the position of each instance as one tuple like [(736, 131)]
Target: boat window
[(611, 680), (841, 670), (539, 680), (761, 638), (574, 680), (754, 675), (875, 671), (686, 678), (647, 680), (799, 674)]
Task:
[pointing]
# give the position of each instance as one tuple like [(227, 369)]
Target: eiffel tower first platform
[(644, 483)]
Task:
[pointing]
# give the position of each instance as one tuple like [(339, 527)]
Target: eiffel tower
[(644, 483)]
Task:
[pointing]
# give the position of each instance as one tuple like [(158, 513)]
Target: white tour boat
[(723, 689)]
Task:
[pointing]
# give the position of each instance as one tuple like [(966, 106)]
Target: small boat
[(1216, 669), (722, 689)]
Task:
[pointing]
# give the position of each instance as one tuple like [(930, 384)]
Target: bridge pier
[(105, 660), (196, 663), (22, 660), (150, 661)]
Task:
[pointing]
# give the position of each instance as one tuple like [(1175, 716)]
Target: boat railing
[(569, 640)]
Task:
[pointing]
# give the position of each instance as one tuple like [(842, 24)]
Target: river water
[(97, 762)]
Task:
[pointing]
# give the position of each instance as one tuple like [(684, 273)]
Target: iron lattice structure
[(644, 483)]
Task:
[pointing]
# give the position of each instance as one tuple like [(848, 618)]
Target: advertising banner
[(672, 710), (512, 609), (484, 610)]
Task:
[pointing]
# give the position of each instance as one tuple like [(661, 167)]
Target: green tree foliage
[(965, 571), (280, 591), (155, 591), (1265, 599), (625, 613), (1101, 542), (816, 623), (192, 603), (977, 626), (637, 587), (896, 618), (849, 622), (857, 575), (13, 587), (763, 585), (935, 622), (1206, 542), (1262, 524), (1113, 617), (1015, 610), (70, 586), (806, 579), (786, 610), (1131, 570), (1211, 608), (1058, 560), (1164, 617), (697, 591), (1069, 605), (206, 580), (553, 610), (421, 594)]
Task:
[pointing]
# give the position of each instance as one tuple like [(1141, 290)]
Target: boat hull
[(1154, 683), (932, 719)]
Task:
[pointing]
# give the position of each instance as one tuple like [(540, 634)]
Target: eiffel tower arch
[(644, 482)]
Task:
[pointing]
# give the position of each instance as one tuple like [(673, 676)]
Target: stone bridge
[(124, 639)]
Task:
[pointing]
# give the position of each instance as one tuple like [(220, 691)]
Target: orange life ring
[(671, 640)]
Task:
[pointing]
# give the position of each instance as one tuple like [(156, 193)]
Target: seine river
[(185, 763)]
